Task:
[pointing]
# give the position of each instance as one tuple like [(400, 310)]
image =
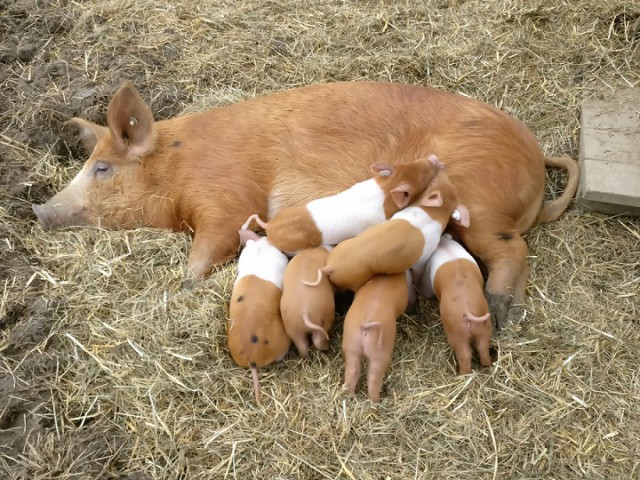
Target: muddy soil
[(29, 70)]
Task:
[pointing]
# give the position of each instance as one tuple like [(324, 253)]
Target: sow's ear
[(90, 133), (131, 122)]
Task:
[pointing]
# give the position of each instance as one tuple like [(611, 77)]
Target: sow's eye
[(102, 170)]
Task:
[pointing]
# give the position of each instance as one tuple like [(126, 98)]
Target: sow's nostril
[(39, 211)]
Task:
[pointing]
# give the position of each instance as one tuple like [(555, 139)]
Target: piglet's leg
[(302, 345), (209, 249), (351, 371), (482, 347), (481, 343), (320, 340), (375, 376), (462, 351)]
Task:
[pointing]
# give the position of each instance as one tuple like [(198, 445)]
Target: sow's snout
[(56, 215)]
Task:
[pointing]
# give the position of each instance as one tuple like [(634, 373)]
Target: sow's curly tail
[(552, 209)]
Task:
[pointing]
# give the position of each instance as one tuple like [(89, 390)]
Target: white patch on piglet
[(448, 250), (263, 260), (348, 213), (430, 228)]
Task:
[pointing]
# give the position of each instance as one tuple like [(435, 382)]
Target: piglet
[(330, 220), (370, 329), (256, 335), (405, 241), (453, 276), (307, 310)]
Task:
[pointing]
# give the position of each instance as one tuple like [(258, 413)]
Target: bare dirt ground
[(109, 370)]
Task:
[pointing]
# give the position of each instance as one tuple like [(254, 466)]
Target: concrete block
[(610, 154)]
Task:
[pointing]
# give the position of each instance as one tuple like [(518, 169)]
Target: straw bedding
[(109, 370)]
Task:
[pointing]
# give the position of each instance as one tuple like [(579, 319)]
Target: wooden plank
[(610, 154)]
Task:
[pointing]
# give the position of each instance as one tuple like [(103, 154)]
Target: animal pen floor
[(109, 370)]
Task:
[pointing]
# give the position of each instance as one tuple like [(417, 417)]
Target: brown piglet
[(370, 329), (453, 276), (256, 335), (330, 220), (307, 310)]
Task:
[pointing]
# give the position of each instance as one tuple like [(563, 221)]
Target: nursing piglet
[(307, 310), (454, 277), (330, 220), (370, 329), (256, 335), (405, 241)]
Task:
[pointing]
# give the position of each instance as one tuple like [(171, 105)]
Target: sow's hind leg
[(496, 242)]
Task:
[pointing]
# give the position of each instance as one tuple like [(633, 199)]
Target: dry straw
[(109, 370)]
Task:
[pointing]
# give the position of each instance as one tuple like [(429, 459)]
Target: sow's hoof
[(499, 309), (189, 284)]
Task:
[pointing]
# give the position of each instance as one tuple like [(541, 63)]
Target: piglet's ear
[(434, 199), (131, 122), (401, 195), (90, 133), (382, 169), (460, 216)]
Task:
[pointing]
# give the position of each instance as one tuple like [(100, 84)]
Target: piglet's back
[(448, 250), (385, 295), (462, 281), (293, 229), (256, 331), (297, 296), (262, 259), (389, 248)]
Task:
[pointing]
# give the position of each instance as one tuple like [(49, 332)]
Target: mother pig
[(208, 172)]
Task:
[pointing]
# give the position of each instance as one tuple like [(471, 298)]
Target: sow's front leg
[(217, 217), (213, 244)]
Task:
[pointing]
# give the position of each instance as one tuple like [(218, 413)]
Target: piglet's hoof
[(499, 309), (348, 389)]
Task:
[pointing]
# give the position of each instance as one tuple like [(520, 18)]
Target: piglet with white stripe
[(453, 276), (256, 335), (330, 220), (406, 241)]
